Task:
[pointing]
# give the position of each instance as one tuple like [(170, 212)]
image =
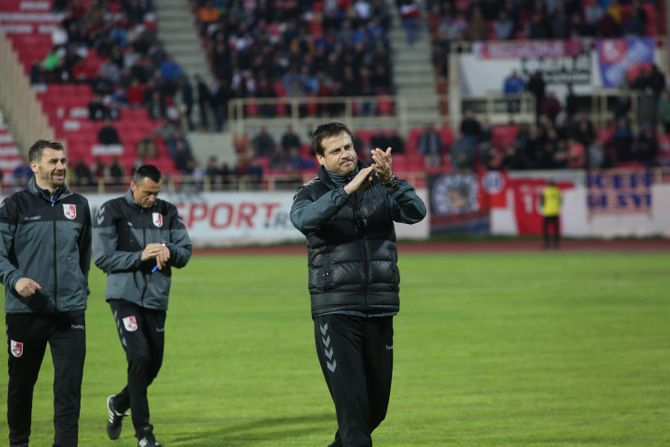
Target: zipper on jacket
[(53, 203), (144, 244), (366, 263)]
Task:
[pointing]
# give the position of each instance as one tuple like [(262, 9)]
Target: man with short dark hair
[(45, 253), (138, 238), (347, 214)]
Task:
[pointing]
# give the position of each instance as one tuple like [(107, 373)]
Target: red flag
[(493, 187), (527, 193)]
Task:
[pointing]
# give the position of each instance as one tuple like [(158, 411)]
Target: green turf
[(546, 349)]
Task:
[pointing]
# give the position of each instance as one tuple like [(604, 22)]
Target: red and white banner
[(484, 69), (608, 205), (528, 49), (527, 206), (493, 187)]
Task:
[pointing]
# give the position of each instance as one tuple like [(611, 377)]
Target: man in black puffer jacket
[(347, 213)]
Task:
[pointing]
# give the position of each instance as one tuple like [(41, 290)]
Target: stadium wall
[(587, 69), (225, 219), (623, 203)]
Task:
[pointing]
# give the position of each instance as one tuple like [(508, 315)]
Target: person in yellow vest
[(550, 202)]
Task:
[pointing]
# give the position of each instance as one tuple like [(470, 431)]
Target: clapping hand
[(382, 163)]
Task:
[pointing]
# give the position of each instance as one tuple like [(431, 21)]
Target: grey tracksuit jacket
[(121, 230), (46, 238)]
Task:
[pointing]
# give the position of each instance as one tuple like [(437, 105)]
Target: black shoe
[(115, 419), (148, 439)]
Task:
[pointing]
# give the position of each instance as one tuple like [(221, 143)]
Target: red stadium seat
[(447, 135), (365, 135), (251, 108), (413, 141), (503, 136), (664, 150)]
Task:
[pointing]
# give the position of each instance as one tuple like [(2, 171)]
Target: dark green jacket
[(121, 230), (47, 239), (351, 248)]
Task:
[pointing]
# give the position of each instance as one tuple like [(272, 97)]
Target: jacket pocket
[(320, 279)]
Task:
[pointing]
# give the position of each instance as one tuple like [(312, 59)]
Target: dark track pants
[(27, 338), (356, 357), (142, 334), (550, 225)]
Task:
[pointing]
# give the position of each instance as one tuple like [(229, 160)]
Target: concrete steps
[(413, 72), (177, 28), (208, 144)]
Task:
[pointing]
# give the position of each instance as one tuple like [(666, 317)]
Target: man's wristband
[(391, 182)]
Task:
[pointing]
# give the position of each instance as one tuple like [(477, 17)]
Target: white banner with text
[(223, 219)]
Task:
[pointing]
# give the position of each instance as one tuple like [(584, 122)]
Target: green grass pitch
[(491, 350)]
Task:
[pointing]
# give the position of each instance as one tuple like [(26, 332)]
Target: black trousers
[(27, 338), (142, 334), (356, 357), (550, 225)]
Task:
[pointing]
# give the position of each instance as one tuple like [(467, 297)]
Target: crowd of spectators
[(132, 70), (309, 48), (562, 144), (459, 20), (300, 48)]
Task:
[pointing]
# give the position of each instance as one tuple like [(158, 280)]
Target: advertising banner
[(527, 203), (494, 186), (485, 68), (619, 192), (560, 62), (530, 49), (221, 219), (618, 58), (456, 204)]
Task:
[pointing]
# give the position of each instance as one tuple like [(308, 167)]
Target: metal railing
[(188, 183), (272, 182), (355, 111), (497, 108)]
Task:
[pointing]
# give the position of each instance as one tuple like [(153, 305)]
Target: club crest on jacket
[(70, 210)]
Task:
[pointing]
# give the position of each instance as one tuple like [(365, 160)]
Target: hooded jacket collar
[(59, 194), (131, 200), (334, 180)]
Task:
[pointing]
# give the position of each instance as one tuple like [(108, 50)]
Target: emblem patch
[(70, 210), (130, 323), (16, 348), (158, 219)]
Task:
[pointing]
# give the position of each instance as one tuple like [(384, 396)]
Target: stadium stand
[(10, 158), (280, 57), (84, 37), (309, 48)]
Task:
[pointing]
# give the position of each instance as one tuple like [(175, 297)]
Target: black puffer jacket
[(351, 243)]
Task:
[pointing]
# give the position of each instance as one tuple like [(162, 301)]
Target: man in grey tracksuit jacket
[(45, 252), (347, 214), (137, 239)]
